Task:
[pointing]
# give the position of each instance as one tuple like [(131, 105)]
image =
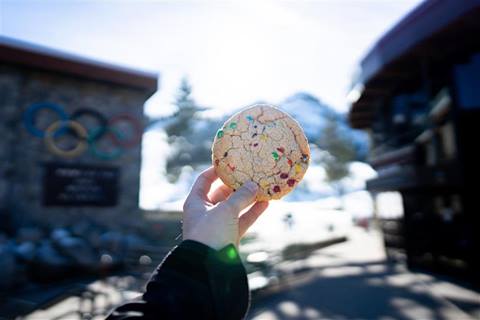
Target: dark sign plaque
[(80, 185)]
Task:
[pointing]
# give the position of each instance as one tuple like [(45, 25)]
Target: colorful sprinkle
[(281, 149), (291, 182), (233, 125), (231, 167), (220, 133), (254, 135), (255, 144), (263, 137), (263, 184), (217, 162), (225, 154), (249, 118), (290, 163), (276, 189), (284, 175), (298, 168), (275, 155), (304, 157)]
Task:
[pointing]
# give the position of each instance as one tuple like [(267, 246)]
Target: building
[(418, 95), (71, 133)]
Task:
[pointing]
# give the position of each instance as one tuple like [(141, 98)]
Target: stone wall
[(22, 155)]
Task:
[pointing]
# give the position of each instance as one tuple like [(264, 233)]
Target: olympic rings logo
[(85, 139)]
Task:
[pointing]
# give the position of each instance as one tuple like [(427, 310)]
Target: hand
[(214, 218)]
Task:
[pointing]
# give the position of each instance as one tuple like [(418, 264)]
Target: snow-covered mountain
[(313, 116), (309, 112)]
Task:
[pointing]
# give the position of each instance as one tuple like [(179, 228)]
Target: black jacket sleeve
[(194, 281)]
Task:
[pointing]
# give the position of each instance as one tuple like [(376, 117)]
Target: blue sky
[(234, 52)]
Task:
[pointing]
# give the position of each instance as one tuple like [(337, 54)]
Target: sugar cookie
[(262, 144)]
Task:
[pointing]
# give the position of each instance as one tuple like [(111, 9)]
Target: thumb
[(243, 197), (249, 217)]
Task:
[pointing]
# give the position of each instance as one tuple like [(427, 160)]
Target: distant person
[(288, 220), (203, 277)]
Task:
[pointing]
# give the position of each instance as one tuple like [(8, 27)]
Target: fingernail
[(251, 186)]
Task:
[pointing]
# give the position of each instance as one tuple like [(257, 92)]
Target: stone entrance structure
[(70, 131)]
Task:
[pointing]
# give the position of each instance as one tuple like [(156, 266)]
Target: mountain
[(313, 116), (309, 112)]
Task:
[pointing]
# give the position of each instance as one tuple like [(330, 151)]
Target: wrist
[(216, 244)]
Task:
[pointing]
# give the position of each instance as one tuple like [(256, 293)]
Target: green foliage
[(341, 151), (186, 113), (190, 145)]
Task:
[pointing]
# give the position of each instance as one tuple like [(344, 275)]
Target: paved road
[(345, 281), (352, 281)]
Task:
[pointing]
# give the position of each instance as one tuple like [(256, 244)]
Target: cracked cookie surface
[(262, 144)]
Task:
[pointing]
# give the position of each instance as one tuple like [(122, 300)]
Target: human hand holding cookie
[(212, 217), (260, 154)]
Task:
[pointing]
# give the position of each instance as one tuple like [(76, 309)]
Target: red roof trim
[(26, 54)]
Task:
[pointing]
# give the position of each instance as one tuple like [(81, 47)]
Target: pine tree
[(186, 113), (180, 129)]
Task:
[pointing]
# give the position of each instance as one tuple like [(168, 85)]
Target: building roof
[(434, 31), (22, 53)]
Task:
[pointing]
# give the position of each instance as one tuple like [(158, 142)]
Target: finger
[(202, 185), (249, 217), (220, 194), (242, 198)]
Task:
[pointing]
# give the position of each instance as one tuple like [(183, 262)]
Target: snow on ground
[(310, 222), (158, 193), (311, 194)]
